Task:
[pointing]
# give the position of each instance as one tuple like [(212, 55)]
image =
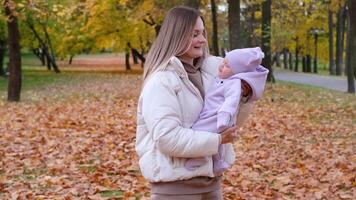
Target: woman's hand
[(246, 89), (229, 135)]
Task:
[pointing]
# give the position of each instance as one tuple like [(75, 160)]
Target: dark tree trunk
[(351, 47), (43, 57), (331, 44), (2, 56), (39, 54), (127, 59), (14, 87), (134, 57), (296, 55), (290, 61), (315, 53), (251, 30), (285, 58), (223, 54), (308, 63), (234, 23), (278, 59), (340, 30), (138, 55), (215, 28), (52, 56), (304, 64), (47, 57), (70, 59), (192, 3), (266, 37)]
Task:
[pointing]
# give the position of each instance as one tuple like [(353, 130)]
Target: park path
[(330, 82), (115, 62)]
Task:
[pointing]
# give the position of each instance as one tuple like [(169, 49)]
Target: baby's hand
[(246, 89)]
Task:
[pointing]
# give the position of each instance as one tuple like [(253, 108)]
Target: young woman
[(177, 73)]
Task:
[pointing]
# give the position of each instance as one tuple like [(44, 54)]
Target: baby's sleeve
[(232, 94)]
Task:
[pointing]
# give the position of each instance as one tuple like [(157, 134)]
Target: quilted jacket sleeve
[(162, 114)]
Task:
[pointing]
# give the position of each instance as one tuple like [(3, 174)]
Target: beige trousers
[(214, 195)]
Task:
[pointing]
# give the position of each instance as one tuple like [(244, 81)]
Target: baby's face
[(224, 70)]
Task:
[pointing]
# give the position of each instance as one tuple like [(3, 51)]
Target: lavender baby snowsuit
[(222, 100)]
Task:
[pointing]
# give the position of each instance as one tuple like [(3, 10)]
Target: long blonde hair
[(174, 39)]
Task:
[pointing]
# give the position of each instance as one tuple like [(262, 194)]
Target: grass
[(37, 79)]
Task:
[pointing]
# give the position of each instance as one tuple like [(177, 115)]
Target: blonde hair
[(174, 39)]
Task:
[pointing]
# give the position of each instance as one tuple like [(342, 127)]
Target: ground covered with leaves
[(75, 140)]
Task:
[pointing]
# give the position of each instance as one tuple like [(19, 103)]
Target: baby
[(222, 100)]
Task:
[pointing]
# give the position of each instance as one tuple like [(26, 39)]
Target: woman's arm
[(161, 111)]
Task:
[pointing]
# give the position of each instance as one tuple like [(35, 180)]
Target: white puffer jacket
[(168, 106)]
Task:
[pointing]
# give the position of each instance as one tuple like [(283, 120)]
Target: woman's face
[(195, 49)]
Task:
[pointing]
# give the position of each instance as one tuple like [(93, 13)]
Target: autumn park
[(71, 75)]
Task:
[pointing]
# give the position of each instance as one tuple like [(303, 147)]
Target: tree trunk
[(351, 47), (14, 87), (215, 28), (70, 59), (340, 29), (38, 53), (127, 59), (134, 57), (192, 3), (47, 58), (331, 44), (290, 61), (52, 56), (296, 55), (315, 53), (234, 23), (304, 64), (278, 59), (251, 29), (308, 63), (285, 58), (138, 55), (266, 37), (2, 56)]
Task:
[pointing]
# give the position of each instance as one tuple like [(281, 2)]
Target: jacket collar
[(175, 64)]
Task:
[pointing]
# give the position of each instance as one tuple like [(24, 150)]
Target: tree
[(42, 23), (234, 23), (14, 87), (331, 43), (215, 28), (192, 3), (351, 44), (266, 37), (340, 31), (3, 38)]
